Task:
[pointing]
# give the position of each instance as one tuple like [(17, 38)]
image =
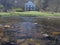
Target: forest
[(18, 5)]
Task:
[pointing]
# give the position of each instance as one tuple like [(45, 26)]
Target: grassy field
[(29, 13)]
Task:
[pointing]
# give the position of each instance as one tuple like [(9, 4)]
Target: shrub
[(18, 9), (1, 6)]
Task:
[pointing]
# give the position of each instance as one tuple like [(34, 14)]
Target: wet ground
[(28, 30)]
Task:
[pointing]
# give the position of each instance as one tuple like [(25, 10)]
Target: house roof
[(30, 3)]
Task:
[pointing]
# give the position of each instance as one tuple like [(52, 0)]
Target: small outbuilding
[(30, 6)]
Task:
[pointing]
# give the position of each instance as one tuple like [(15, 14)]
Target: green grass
[(29, 13)]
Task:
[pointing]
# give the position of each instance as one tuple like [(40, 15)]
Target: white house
[(30, 6)]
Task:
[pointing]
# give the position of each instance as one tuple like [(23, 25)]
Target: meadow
[(29, 13)]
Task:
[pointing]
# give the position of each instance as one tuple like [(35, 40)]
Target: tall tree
[(44, 4), (6, 3), (57, 5)]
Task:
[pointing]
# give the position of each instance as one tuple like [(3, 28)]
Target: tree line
[(45, 5)]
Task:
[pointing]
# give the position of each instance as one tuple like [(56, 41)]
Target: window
[(30, 6)]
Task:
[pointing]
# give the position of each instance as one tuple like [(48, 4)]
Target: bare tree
[(57, 5)]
